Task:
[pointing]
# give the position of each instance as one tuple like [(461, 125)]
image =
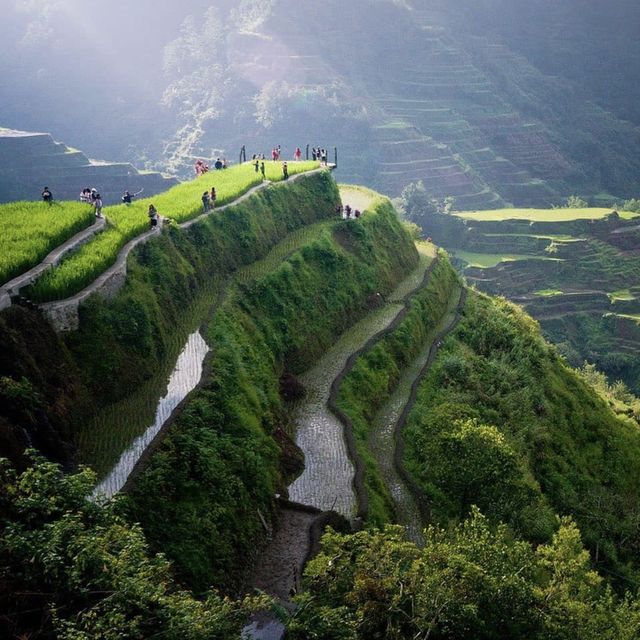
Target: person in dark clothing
[(47, 196), (347, 210), (263, 170), (357, 213), (218, 165), (205, 201), (285, 170), (313, 154), (257, 165), (153, 216), (127, 197), (212, 197)]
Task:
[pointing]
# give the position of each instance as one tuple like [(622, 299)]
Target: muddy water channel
[(327, 480), (382, 439), (183, 380)]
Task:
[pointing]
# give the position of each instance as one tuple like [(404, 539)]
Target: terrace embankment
[(575, 270)]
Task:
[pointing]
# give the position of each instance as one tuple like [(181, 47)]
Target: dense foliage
[(472, 581), (74, 570), (503, 423), (202, 495)]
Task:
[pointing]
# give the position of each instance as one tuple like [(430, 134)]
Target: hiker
[(274, 154), (297, 156), (85, 195), (212, 197), (356, 213), (47, 196), (285, 170), (314, 155), (323, 157), (263, 171), (347, 210), (218, 164), (153, 216), (257, 165), (97, 203), (205, 201), (127, 198)]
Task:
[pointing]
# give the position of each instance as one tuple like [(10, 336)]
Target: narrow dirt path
[(327, 480), (383, 429)]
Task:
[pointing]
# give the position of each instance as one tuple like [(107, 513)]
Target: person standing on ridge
[(153, 216), (297, 156), (257, 165), (285, 170), (97, 204), (205, 201), (263, 170), (212, 198), (47, 196)]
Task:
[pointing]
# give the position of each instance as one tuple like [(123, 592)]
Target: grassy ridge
[(180, 203), (375, 374), (200, 497), (501, 422), (29, 231)]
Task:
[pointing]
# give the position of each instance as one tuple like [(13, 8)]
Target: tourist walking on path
[(85, 196), (347, 211), (47, 196), (257, 165), (263, 171), (205, 201), (97, 204), (153, 216), (285, 170), (212, 198)]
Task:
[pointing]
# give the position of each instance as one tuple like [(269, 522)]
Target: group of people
[(319, 154), (92, 197), (209, 200), (347, 213), (201, 167)]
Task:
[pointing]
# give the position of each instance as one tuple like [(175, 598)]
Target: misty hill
[(435, 91), (30, 161)]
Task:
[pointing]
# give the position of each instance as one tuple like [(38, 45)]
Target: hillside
[(30, 161), (490, 103), (575, 271), (299, 369)]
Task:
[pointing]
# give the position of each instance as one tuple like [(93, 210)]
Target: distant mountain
[(30, 161), (490, 102)]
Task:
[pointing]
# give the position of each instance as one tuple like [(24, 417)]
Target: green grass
[(180, 203), (488, 260), (622, 294), (547, 293), (542, 215), (31, 230)]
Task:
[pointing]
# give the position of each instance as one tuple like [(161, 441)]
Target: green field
[(541, 215), (31, 230), (180, 203), (488, 260)]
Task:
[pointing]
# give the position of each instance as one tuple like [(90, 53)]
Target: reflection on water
[(183, 380)]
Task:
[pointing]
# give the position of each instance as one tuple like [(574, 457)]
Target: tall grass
[(31, 230), (180, 203)]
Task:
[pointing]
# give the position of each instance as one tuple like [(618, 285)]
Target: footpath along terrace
[(124, 223)]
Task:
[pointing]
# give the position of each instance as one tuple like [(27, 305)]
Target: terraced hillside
[(30, 161), (575, 271), (267, 369)]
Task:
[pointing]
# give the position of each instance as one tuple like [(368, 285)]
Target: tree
[(415, 202), (75, 570), (576, 202)]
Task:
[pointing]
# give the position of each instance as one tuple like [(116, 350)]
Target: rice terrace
[(320, 320)]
